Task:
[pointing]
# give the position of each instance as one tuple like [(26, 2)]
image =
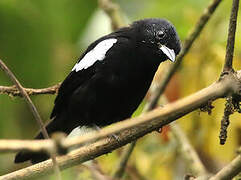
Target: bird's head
[(157, 37)]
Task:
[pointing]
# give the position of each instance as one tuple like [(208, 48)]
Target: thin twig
[(229, 171), (119, 171), (134, 174), (32, 108), (228, 68), (113, 11), (231, 36), (187, 150), (189, 153), (25, 96), (97, 173), (13, 91)]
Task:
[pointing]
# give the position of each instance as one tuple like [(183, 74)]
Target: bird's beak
[(168, 52)]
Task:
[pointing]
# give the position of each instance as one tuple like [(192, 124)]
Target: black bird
[(110, 79)]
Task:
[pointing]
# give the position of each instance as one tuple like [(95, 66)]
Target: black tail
[(23, 156), (57, 124)]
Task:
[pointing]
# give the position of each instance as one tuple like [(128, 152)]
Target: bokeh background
[(40, 41)]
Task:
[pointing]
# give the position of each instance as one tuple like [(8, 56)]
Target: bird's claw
[(114, 136)]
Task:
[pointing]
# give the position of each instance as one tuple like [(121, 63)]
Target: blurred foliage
[(40, 41)]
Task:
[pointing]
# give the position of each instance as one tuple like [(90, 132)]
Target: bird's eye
[(160, 34)]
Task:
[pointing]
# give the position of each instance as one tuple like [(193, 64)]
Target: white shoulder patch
[(96, 54)]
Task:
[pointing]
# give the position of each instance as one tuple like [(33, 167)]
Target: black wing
[(76, 79), (73, 81)]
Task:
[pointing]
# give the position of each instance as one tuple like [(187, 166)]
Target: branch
[(13, 91), (231, 36), (188, 152), (113, 11), (32, 108), (25, 96), (186, 46), (119, 171), (9, 145), (134, 174), (96, 171), (229, 171), (130, 130), (230, 101)]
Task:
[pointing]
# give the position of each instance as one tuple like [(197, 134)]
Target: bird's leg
[(97, 128), (115, 137)]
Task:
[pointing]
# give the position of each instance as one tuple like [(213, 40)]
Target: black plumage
[(110, 81)]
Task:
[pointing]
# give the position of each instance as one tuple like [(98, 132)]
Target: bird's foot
[(97, 128), (116, 137)]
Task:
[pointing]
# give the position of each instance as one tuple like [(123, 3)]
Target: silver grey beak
[(169, 52)]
